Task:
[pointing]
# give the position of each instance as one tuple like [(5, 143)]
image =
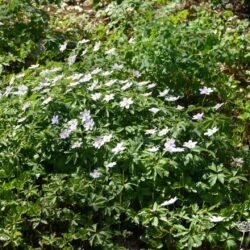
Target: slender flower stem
[(203, 100), (243, 235)]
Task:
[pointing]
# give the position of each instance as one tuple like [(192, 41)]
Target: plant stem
[(242, 239)]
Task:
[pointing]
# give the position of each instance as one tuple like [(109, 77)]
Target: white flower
[(22, 90), (8, 90), (89, 124), (107, 138), (170, 146), (25, 106), (46, 101), (218, 105), (126, 86), (143, 83), (117, 66), (170, 143), (243, 226), (163, 93), (108, 97), (179, 107), (72, 84), (152, 85), (96, 71), (71, 60), (96, 96), (206, 91), (76, 144), (131, 40), (85, 115), (110, 83), (4, 238), (124, 81), (136, 73), (96, 46), (110, 165), (72, 125), (126, 102), (93, 86), (190, 144), (63, 46), (47, 90), (216, 219), (198, 117), (95, 174), (53, 70), (163, 131), (22, 119), (212, 131), (107, 73), (45, 83), (65, 133), (55, 119), (173, 150), (153, 149), (83, 41), (99, 142), (151, 131), (171, 98), (34, 66), (44, 72), (86, 78), (119, 148), (87, 120), (110, 52), (154, 110), (75, 76), (147, 94), (238, 160), (169, 202), (84, 52), (48, 71)]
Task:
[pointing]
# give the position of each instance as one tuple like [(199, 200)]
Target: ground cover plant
[(124, 125)]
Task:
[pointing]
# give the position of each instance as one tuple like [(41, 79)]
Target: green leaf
[(155, 222), (221, 178)]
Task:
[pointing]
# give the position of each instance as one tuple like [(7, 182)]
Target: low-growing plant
[(134, 136)]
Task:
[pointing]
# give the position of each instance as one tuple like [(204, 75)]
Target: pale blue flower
[(55, 119)]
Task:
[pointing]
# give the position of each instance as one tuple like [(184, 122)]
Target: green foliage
[(23, 29), (126, 130)]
